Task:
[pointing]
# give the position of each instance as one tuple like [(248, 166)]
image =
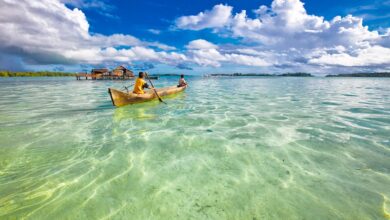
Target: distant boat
[(120, 98)]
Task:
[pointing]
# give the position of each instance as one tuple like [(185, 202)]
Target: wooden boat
[(120, 98)]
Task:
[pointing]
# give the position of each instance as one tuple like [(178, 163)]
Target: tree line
[(34, 74)]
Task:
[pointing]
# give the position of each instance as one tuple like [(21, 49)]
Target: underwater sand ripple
[(285, 148)]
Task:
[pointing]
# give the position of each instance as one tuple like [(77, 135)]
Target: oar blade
[(154, 89)]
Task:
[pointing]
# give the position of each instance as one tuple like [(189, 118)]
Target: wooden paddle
[(127, 87), (154, 89)]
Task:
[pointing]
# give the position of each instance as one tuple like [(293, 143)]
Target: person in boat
[(182, 81), (140, 84)]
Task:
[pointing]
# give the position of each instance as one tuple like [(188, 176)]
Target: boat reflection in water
[(141, 111), (134, 119)]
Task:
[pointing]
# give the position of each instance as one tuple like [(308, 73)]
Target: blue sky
[(137, 17), (196, 37)]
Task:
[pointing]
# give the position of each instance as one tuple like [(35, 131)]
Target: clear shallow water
[(227, 148)]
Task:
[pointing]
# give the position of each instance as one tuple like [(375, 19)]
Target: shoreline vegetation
[(35, 74), (383, 74), (263, 74)]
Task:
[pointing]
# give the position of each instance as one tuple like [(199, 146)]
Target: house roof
[(120, 67)]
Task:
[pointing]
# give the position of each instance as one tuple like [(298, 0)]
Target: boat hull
[(120, 98)]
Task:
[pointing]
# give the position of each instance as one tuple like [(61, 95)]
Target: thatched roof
[(121, 68)]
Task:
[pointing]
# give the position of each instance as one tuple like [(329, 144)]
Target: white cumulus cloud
[(200, 44), (205, 53), (217, 17), (370, 56), (287, 33), (48, 32), (282, 35)]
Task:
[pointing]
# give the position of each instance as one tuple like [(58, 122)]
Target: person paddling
[(182, 81), (140, 84)]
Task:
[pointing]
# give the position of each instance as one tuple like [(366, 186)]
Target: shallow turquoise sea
[(226, 148)]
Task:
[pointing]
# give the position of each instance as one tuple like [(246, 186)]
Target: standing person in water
[(182, 81), (140, 84)]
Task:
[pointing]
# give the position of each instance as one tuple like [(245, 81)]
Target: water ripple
[(285, 148)]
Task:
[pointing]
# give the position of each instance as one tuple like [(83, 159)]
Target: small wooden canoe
[(120, 98)]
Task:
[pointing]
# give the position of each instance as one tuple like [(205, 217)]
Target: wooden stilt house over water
[(122, 72), (99, 73)]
